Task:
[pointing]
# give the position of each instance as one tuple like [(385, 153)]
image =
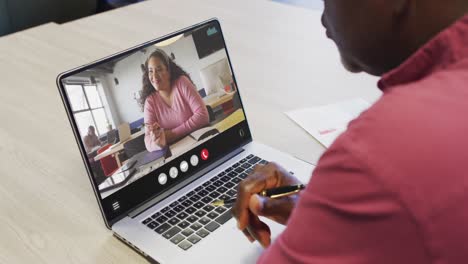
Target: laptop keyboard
[(191, 218)]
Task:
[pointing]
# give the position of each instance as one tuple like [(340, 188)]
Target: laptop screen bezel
[(110, 218)]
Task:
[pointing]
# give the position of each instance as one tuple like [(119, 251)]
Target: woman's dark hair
[(175, 72)]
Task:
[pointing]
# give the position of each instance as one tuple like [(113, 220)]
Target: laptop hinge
[(144, 206)]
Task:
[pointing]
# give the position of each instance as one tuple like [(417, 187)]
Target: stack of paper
[(326, 123)]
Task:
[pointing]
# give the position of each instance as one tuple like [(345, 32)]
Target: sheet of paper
[(326, 123)]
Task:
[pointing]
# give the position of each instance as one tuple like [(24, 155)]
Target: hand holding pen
[(249, 205)]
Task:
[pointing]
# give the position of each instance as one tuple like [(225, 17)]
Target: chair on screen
[(109, 164)]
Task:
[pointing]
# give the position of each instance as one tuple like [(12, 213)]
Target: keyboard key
[(182, 215), (254, 160), (179, 208), (210, 188), (222, 174), (229, 184), (200, 213), (194, 239), (207, 200), (173, 204), (222, 189), (202, 193), (152, 225), (212, 215), (173, 221), (250, 156), (249, 171), (183, 224), (220, 209), (192, 219), (198, 205), (224, 217), (156, 215), (204, 221), (263, 162), (235, 165), (190, 193), (218, 183), (246, 166), (236, 180), (208, 207), (162, 228), (195, 198), (231, 193), (206, 183), (190, 210), (170, 214), (224, 197), (228, 169), (171, 232), (185, 245), (165, 209), (161, 219), (239, 170), (225, 179), (187, 203), (215, 177), (232, 174), (214, 194), (212, 226), (177, 239), (243, 160), (181, 199), (242, 175), (202, 233), (196, 226), (199, 188), (187, 232), (147, 220)]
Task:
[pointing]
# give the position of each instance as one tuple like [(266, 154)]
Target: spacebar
[(224, 217)]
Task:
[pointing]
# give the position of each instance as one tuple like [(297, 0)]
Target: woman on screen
[(172, 106)]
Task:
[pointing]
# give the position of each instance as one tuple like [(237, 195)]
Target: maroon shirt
[(394, 187)]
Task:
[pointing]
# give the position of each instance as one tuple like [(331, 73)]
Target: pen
[(271, 193)]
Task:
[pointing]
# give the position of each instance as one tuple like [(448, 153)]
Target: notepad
[(326, 123)]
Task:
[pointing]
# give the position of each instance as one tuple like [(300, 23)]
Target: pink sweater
[(188, 112), (393, 188)]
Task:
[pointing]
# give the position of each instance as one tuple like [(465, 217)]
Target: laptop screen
[(152, 116)]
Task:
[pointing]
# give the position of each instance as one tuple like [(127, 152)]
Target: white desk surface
[(282, 61)]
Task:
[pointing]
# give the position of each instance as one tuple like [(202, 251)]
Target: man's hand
[(249, 205)]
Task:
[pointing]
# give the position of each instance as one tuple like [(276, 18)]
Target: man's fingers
[(259, 230), (248, 235)]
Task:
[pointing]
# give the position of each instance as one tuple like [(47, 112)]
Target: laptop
[(163, 212)]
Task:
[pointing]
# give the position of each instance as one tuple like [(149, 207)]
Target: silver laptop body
[(149, 209)]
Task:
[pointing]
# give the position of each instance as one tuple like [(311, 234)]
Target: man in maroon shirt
[(394, 187)]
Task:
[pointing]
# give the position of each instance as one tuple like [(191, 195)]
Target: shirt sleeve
[(345, 215), (200, 116), (150, 117)]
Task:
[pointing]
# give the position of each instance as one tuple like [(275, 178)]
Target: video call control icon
[(173, 172), (204, 154), (184, 166), (162, 178), (194, 160)]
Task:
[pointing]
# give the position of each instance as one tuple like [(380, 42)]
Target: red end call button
[(204, 154)]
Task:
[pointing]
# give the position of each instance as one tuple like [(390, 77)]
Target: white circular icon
[(173, 172), (194, 160), (184, 166), (162, 178)]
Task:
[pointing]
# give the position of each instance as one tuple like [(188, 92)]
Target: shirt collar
[(447, 48)]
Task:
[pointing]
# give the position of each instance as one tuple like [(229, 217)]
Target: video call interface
[(140, 111)]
